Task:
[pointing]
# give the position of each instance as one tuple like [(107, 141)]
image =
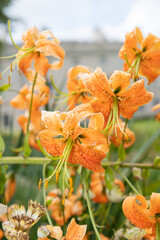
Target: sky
[(76, 20)]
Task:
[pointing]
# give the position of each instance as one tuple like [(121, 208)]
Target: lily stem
[(129, 183), (90, 211), (44, 195)]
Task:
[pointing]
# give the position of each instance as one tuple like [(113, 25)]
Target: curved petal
[(98, 85), (22, 120), (74, 76), (56, 65), (30, 36), (133, 98), (50, 141), (48, 34), (150, 42), (120, 80), (30, 75), (52, 121), (136, 210), (75, 231), (49, 48), (149, 72), (89, 150), (20, 100), (104, 107), (120, 184), (56, 231), (154, 203), (25, 62), (73, 118), (41, 64), (130, 47)]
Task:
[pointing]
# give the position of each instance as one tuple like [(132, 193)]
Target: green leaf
[(4, 87), (49, 202), (157, 161), (121, 152), (109, 178), (2, 146)]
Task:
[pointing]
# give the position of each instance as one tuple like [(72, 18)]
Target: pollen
[(40, 182), (46, 184), (57, 176), (63, 199)]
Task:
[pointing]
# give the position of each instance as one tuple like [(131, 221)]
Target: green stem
[(22, 160), (42, 160), (90, 211), (9, 30), (44, 195), (129, 183), (106, 215), (30, 107), (59, 91)]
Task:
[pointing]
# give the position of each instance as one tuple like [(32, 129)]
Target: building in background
[(99, 52)]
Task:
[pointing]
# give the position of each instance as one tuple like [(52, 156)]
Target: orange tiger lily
[(142, 56), (98, 188), (128, 139), (74, 137), (38, 45), (155, 108), (77, 91), (112, 97), (72, 207), (89, 146), (40, 97), (137, 211), (74, 232)]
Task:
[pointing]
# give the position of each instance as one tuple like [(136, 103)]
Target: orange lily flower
[(112, 97), (98, 187), (137, 211), (72, 207), (38, 45), (128, 139), (155, 108), (74, 137), (77, 91), (40, 98), (74, 232), (142, 56), (79, 128)]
